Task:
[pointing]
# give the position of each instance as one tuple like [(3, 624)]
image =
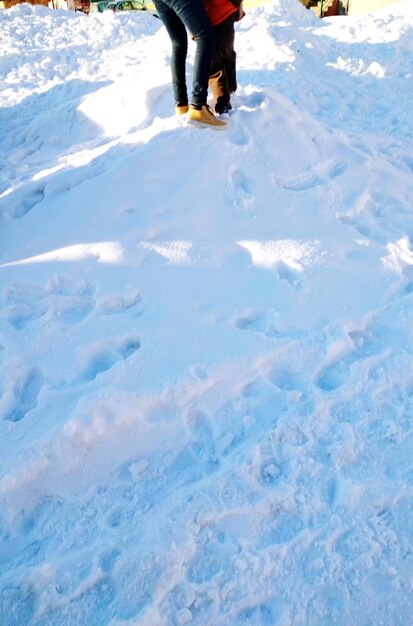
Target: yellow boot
[(205, 117), (181, 109)]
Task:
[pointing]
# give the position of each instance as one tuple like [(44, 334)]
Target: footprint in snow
[(23, 201), (338, 372), (286, 379), (107, 560), (291, 274), (328, 606), (335, 168), (403, 524), (333, 376), (400, 469), (283, 527), (304, 181), (321, 174), (114, 303), (285, 257), (259, 615), (114, 518), (61, 299), (90, 606), (241, 189), (371, 214), (361, 345), (314, 564), (139, 580), (383, 525), (200, 427), (238, 134), (18, 604), (25, 303), (102, 358), (240, 181), (354, 544), (24, 395), (212, 558), (266, 322), (251, 101)]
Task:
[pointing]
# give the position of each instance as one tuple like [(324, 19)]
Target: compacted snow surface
[(206, 389)]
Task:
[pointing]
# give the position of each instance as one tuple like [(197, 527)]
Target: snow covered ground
[(206, 391)]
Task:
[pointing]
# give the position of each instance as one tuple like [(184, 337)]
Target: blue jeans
[(179, 16)]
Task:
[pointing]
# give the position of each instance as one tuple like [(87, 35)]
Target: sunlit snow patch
[(104, 252), (400, 255), (116, 107), (294, 254), (175, 251), (358, 67)]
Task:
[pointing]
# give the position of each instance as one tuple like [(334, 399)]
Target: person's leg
[(178, 35), (217, 79), (194, 16), (228, 53), (222, 79)]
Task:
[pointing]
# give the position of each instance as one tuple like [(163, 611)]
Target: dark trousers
[(222, 78), (179, 16)]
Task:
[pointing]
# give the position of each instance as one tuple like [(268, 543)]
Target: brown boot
[(181, 109), (205, 117)]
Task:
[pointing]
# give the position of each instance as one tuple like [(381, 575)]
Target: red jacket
[(219, 10)]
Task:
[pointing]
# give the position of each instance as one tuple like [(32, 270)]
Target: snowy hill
[(206, 391)]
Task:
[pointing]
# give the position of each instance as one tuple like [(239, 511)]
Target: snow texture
[(206, 388)]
